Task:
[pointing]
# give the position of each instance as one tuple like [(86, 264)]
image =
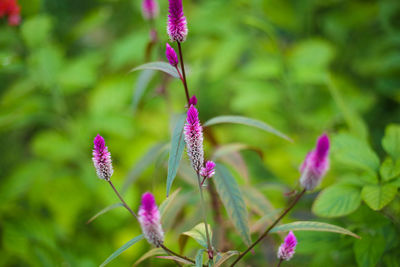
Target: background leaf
[(199, 258), (391, 140), (122, 249), (141, 84), (378, 196), (159, 65), (198, 233), (106, 209)]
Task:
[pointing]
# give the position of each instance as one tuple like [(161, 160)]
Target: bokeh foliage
[(304, 67)]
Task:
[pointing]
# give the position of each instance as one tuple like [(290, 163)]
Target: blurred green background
[(304, 67)]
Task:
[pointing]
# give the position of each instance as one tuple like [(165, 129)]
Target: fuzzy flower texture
[(177, 25), (149, 219), (194, 139), (171, 55), (150, 9), (286, 250), (102, 159), (316, 164), (209, 170), (11, 9)]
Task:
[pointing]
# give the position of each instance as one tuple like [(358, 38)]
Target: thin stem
[(270, 227), (202, 182), (220, 226), (180, 75), (279, 263), (183, 72), (176, 254), (202, 203), (177, 263), (122, 200)]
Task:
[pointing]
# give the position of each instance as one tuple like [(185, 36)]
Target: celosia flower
[(315, 164), (193, 101), (171, 55), (102, 159), (149, 219), (194, 139), (150, 9), (177, 25), (209, 170), (12, 10), (286, 250)]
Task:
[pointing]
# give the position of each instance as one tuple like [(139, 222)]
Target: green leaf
[(168, 202), (354, 152), (159, 65), (229, 192), (175, 258), (312, 226), (336, 201), (141, 85), (176, 151), (246, 121), (198, 233), (141, 166), (106, 209), (122, 249), (390, 170), (369, 250), (199, 258), (378, 196), (391, 140), (257, 201), (149, 254), (222, 257)]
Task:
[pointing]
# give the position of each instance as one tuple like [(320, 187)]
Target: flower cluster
[(11, 9), (149, 219), (316, 164), (177, 25), (150, 9), (209, 170), (286, 250), (171, 55), (194, 139), (102, 159)]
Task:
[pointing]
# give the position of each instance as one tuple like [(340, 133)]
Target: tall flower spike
[(286, 250), (177, 25), (194, 139), (209, 170), (193, 101), (150, 9), (316, 164), (102, 159), (149, 219), (171, 55)]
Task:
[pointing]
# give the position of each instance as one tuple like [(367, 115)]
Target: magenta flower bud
[(150, 9), (171, 55), (149, 219), (102, 159), (193, 101), (316, 164), (286, 250), (177, 25), (209, 170), (194, 139)]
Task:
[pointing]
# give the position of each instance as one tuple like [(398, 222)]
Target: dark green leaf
[(106, 209), (390, 170), (369, 250), (122, 249), (246, 121), (378, 196), (232, 198), (159, 65)]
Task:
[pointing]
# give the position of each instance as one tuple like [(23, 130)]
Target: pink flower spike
[(102, 159), (149, 219), (150, 9), (177, 25), (316, 164), (171, 55), (194, 139), (286, 250), (209, 170), (193, 101)]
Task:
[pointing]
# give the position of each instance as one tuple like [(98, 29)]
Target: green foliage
[(122, 249), (198, 233), (378, 196)]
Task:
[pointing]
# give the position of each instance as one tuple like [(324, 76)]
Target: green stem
[(279, 263), (202, 203), (176, 254), (122, 200), (270, 227)]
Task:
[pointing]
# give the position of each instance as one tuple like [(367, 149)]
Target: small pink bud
[(171, 55), (150, 9), (209, 170), (193, 101), (286, 250), (102, 159)]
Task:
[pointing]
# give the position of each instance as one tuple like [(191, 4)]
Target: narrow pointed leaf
[(224, 257), (174, 258), (122, 249), (168, 202), (106, 209), (312, 226), (140, 87), (149, 254), (176, 151), (232, 198), (198, 233), (246, 121), (199, 258), (158, 65)]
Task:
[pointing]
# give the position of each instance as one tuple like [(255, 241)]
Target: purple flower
[(193, 101), (315, 164), (209, 170), (102, 159), (286, 250), (149, 219), (171, 55), (150, 9), (194, 139), (177, 26)]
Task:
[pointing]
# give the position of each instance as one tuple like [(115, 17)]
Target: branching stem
[(122, 200)]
